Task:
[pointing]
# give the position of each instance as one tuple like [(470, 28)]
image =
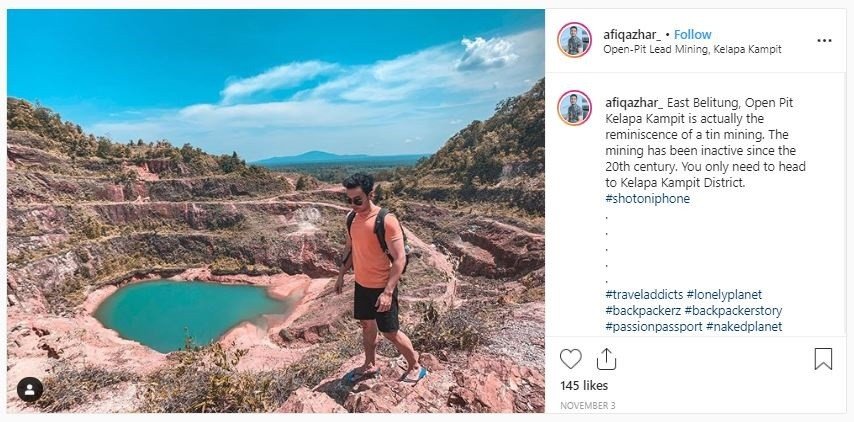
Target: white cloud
[(445, 67), (482, 54), (284, 76), (380, 103), (390, 80)]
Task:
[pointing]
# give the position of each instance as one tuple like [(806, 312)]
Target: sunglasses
[(355, 201)]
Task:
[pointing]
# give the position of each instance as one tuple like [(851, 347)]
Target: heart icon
[(570, 357)]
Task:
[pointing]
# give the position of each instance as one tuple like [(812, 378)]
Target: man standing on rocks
[(377, 275)]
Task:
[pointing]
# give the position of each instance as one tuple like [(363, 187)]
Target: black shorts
[(364, 308)]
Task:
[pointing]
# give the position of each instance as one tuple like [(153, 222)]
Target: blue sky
[(271, 83)]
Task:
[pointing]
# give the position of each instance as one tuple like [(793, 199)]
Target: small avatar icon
[(30, 389), (574, 39), (574, 107)]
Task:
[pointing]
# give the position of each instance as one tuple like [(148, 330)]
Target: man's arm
[(346, 264), (398, 254), (396, 250)]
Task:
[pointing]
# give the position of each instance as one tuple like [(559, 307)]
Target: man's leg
[(364, 311), (404, 346), (388, 324), (369, 341)]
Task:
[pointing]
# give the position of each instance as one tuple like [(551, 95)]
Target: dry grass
[(315, 366), (455, 329), (71, 387), (205, 379)]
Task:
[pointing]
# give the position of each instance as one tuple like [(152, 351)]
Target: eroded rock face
[(36, 228), (46, 187), (290, 242), (306, 401), (491, 384), (28, 149), (485, 247), (39, 345), (164, 165), (516, 251), (473, 260), (37, 187), (76, 230), (213, 188), (482, 383)]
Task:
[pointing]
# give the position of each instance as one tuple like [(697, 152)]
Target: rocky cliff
[(499, 161), (87, 216)]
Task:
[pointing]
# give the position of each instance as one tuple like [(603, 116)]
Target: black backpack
[(379, 230)]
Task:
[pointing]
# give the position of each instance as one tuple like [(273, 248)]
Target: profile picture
[(574, 39), (574, 107)]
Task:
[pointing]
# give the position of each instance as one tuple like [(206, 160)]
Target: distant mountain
[(321, 157)]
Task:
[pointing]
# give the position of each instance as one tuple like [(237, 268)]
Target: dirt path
[(517, 229), (271, 198), (264, 200)]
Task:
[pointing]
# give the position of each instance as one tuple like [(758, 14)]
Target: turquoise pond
[(160, 313)]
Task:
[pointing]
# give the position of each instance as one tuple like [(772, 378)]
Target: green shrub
[(302, 183), (92, 228)]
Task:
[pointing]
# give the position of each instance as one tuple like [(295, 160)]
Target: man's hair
[(361, 180), (573, 95), (573, 27)]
